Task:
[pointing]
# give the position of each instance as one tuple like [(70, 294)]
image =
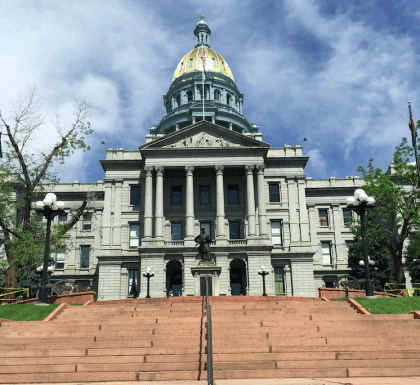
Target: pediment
[(204, 135)]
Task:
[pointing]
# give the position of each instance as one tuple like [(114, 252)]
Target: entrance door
[(176, 282), (203, 285), (236, 281)]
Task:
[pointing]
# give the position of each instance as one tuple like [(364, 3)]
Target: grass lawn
[(390, 305), (26, 312)]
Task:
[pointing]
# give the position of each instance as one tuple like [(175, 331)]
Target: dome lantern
[(202, 33)]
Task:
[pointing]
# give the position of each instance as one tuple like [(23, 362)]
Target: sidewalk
[(273, 381)]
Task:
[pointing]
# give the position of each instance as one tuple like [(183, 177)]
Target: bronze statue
[(204, 241)]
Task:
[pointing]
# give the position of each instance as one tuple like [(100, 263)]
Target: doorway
[(174, 278), (238, 277)]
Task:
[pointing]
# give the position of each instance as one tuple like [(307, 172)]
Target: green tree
[(382, 271), (412, 257), (24, 169), (397, 204)]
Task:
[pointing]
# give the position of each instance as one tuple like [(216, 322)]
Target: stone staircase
[(165, 339)]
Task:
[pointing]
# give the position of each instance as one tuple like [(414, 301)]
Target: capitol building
[(205, 166)]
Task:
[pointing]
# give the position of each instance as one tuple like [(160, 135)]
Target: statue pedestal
[(206, 269)]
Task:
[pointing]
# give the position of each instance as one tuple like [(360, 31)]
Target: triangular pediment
[(204, 135)]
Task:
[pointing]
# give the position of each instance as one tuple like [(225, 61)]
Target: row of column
[(220, 206)]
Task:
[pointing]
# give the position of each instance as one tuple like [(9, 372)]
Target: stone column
[(250, 199), (116, 226), (294, 221), (220, 202), (148, 203), (303, 212), (106, 224), (189, 212), (261, 201), (159, 203)]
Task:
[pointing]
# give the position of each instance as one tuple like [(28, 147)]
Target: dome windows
[(189, 96), (217, 96), (190, 62), (223, 65), (228, 99)]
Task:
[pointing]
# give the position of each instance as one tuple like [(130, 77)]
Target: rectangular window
[(133, 283), (134, 236), (84, 257), (234, 230), (274, 191), (204, 195), (135, 195), (233, 194), (59, 258), (323, 217), (206, 226), (276, 232), (62, 218), (176, 231), (326, 253), (347, 216), (87, 222), (176, 195), (349, 246), (279, 280)]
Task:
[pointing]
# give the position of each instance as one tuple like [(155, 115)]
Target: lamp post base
[(371, 297)]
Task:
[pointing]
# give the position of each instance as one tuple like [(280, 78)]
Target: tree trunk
[(11, 272), (399, 269)]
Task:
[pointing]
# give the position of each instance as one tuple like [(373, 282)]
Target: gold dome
[(192, 62)]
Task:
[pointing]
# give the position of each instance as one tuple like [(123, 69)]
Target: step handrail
[(209, 338)]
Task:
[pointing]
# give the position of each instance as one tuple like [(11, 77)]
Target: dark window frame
[(232, 188), (349, 218), (274, 195), (172, 232), (176, 191), (323, 220), (231, 223), (201, 191), (83, 258), (135, 199)]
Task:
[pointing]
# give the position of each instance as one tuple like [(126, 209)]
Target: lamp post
[(263, 271), (148, 275), (49, 208), (359, 203)]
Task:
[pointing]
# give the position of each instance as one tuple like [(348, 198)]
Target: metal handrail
[(209, 338)]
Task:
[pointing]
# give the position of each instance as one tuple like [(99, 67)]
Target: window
[(228, 97), (84, 257), (276, 232), (189, 96), (206, 226), (217, 96), (133, 283), (87, 222), (273, 189), (62, 218), (233, 194), (234, 230), (190, 62), (176, 231), (213, 60), (347, 216), (204, 195), (326, 253), (349, 246), (176, 195), (135, 195), (223, 65), (134, 236), (279, 280), (178, 101), (323, 217), (59, 258)]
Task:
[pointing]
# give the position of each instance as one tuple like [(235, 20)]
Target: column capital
[(149, 170), (189, 169), (159, 170), (260, 167), (249, 168), (219, 169)]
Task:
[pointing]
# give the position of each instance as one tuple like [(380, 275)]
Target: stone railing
[(237, 241), (174, 243)]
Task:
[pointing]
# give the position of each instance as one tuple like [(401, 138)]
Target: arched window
[(189, 96), (228, 98), (178, 101), (217, 96)]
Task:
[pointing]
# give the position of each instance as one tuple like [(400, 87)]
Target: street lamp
[(263, 271), (148, 275), (359, 203), (49, 208)]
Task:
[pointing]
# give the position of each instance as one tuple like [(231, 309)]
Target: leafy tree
[(398, 204), (25, 168), (382, 271), (412, 257)]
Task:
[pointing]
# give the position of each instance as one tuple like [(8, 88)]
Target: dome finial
[(202, 33)]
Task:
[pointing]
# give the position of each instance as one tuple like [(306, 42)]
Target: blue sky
[(339, 73)]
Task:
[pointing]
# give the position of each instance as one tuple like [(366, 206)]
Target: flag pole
[(413, 130)]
